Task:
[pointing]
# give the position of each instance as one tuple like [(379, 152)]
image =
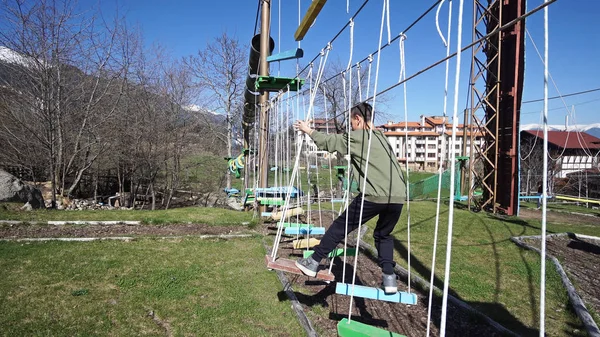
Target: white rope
[(402, 78), (452, 172), (441, 166), (541, 120), (347, 107), (359, 80), (437, 23), (324, 55), (364, 185), (387, 14), (370, 58), (276, 178), (545, 180)]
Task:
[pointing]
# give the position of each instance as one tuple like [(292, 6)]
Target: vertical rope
[(362, 203), (545, 179), (322, 62), (403, 77), (441, 168), (452, 172)]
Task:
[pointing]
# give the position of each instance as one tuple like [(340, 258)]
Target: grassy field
[(211, 216), (566, 207), (191, 287), (488, 271), (108, 288)]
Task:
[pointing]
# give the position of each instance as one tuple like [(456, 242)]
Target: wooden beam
[(310, 16)]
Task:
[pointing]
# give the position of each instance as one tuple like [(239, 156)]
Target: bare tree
[(220, 69), (343, 88), (69, 76)]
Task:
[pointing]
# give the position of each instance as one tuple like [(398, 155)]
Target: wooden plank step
[(289, 213), (289, 266), (304, 230), (305, 243), (348, 328), (375, 293), (335, 253)]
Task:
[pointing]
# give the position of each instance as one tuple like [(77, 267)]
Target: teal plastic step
[(375, 294)]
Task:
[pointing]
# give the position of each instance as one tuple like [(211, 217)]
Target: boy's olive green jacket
[(386, 182)]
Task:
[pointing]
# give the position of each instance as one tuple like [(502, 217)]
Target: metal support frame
[(496, 87)]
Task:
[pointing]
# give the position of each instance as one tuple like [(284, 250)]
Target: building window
[(430, 138), (397, 145), (457, 146), (431, 155), (431, 146)]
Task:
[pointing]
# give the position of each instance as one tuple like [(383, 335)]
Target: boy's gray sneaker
[(390, 284), (308, 266)]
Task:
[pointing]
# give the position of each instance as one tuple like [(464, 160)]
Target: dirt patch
[(559, 217), (325, 308), (13, 231), (580, 258)]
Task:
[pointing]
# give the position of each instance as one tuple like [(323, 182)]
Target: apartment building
[(425, 139)]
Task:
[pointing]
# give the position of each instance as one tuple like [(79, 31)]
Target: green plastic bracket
[(274, 84), (335, 253), (357, 329)]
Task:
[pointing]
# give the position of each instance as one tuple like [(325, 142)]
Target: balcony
[(420, 150), (420, 141)]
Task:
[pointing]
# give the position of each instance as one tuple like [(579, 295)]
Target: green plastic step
[(271, 201), (335, 253), (274, 84), (357, 329)]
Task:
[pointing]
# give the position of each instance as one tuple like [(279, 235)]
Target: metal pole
[(264, 97), (464, 179)]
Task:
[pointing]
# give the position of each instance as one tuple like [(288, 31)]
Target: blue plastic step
[(304, 230), (375, 293)]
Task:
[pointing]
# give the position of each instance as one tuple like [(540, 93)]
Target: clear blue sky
[(184, 26)]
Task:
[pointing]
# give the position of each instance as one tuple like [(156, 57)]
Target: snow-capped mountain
[(196, 108), (10, 56), (592, 129)]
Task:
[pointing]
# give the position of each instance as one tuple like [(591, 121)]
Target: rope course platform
[(275, 84)]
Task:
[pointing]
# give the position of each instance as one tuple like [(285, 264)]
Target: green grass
[(74, 284), (488, 271), (566, 207), (194, 287), (205, 215)]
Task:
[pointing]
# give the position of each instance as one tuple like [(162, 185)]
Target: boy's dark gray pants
[(384, 242)]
